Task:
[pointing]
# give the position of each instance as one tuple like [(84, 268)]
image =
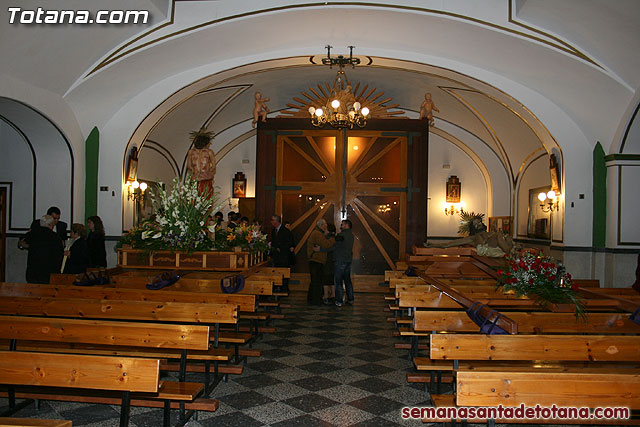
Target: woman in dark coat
[(78, 253), (95, 241)]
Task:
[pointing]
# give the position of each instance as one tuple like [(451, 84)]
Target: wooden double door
[(361, 175)]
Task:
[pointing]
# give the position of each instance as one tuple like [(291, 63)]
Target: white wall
[(473, 186), (53, 161), (16, 175), (232, 163)]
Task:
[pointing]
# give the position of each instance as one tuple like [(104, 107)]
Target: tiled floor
[(324, 366)]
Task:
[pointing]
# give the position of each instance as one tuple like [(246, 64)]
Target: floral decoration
[(180, 223), (541, 277), (247, 237)]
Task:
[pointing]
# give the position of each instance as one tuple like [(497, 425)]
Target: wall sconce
[(551, 199), (450, 210), (136, 190)]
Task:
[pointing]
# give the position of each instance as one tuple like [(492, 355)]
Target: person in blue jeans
[(342, 256)]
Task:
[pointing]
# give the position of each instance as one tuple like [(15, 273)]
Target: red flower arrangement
[(540, 277)]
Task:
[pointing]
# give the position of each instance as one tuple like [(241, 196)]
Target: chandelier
[(341, 109)]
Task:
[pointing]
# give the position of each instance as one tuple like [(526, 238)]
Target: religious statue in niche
[(453, 189), (554, 170), (260, 109), (427, 108), (201, 161)]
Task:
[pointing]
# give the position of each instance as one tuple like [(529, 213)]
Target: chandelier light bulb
[(335, 103), (319, 112), (356, 106), (542, 197), (143, 186), (551, 195), (312, 110), (135, 184), (365, 111)]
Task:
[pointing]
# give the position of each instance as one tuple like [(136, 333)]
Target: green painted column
[(599, 197), (92, 150)]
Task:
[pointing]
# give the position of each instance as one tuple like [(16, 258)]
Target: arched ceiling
[(578, 55)]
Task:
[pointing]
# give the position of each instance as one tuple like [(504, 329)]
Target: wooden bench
[(31, 422), (24, 373), (246, 303), (148, 311), (166, 341), (576, 370), (457, 321)]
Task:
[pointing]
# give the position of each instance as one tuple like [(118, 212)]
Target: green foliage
[(466, 221)]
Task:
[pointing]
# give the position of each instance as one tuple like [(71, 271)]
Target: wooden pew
[(576, 370), (599, 323), (246, 303), (585, 348), (104, 373), (175, 312), (79, 336), (134, 288), (32, 422)]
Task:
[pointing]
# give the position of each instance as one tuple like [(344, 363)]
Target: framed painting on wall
[(239, 186), (453, 189), (132, 166)]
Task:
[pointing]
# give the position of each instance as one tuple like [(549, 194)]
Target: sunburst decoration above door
[(370, 97)]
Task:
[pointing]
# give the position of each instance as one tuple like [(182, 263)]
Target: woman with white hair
[(45, 251)]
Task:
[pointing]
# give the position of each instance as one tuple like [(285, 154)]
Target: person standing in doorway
[(281, 244), (343, 254)]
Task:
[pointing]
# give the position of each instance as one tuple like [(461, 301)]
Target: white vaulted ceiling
[(519, 77)]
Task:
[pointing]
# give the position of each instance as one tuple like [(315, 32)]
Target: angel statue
[(260, 109), (201, 161), (491, 244), (427, 108)]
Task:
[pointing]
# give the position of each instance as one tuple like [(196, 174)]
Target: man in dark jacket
[(282, 245), (45, 251), (342, 257)]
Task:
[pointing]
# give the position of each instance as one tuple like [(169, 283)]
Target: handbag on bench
[(163, 280), (232, 284), (91, 279)]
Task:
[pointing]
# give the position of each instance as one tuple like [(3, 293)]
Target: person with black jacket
[(95, 242), (45, 251), (78, 252), (282, 245), (60, 227)]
